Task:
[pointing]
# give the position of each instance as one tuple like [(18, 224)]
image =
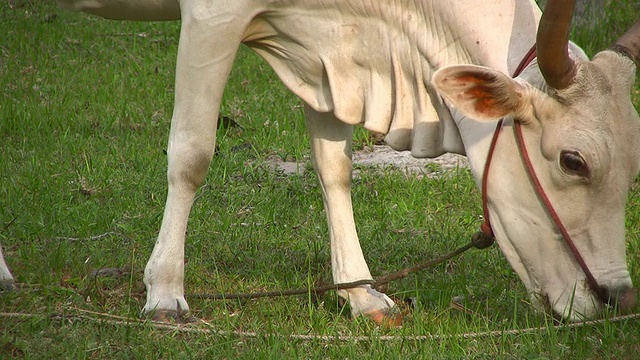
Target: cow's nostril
[(624, 298)]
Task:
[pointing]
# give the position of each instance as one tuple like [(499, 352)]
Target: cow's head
[(583, 137)]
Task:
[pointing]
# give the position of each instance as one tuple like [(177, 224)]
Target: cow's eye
[(572, 162)]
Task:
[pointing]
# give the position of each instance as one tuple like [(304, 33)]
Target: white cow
[(380, 63)]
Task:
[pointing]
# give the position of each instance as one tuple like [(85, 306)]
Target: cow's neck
[(476, 137), (495, 35), (500, 46)]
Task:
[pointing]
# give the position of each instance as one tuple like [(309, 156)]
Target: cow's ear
[(480, 92)]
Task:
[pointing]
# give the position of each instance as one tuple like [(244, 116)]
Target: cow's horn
[(629, 43), (553, 41)]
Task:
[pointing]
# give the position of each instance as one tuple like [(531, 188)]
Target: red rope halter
[(485, 228)]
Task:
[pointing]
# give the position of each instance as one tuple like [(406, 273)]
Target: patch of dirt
[(383, 156)]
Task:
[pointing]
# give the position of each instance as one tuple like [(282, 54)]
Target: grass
[(85, 106)]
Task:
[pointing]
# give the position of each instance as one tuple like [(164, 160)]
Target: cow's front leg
[(205, 57), (331, 156)]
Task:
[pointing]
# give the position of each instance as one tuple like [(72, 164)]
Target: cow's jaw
[(551, 288)]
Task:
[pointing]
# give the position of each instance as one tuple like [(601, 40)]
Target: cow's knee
[(188, 165)]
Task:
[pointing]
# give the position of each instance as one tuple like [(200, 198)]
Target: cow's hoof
[(389, 318), (8, 285)]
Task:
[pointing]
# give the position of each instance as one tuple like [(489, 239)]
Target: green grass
[(85, 106)]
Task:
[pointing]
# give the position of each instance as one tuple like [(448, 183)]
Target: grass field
[(85, 106)]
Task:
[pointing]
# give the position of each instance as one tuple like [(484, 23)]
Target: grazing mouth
[(566, 309), (576, 308)]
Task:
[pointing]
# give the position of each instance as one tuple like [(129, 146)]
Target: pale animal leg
[(331, 155), (6, 280), (205, 56)]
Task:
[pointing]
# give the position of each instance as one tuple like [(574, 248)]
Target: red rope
[(526, 60), (486, 225), (485, 228), (591, 280)]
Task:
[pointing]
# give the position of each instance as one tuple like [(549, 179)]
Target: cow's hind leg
[(331, 156), (205, 56)]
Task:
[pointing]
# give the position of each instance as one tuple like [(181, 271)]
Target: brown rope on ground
[(479, 241)]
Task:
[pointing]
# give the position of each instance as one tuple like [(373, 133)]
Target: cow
[(434, 76)]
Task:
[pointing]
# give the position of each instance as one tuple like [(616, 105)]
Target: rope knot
[(481, 240)]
